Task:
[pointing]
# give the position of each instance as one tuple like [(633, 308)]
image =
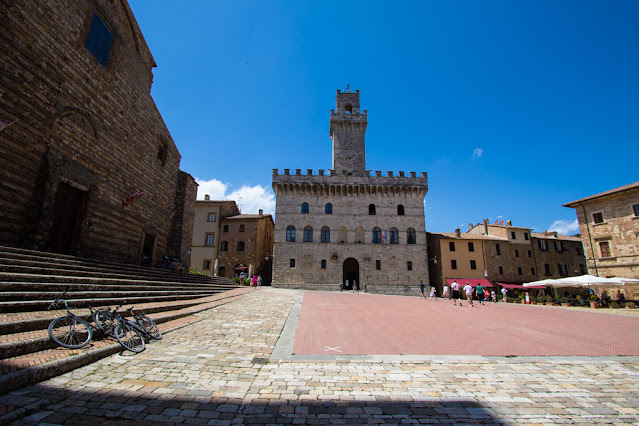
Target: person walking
[(504, 292), (421, 289), (355, 287), (455, 287), (433, 293), (493, 296), (480, 293), (468, 289), (260, 281), (446, 292)]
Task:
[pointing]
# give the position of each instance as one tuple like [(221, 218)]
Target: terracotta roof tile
[(465, 236), (603, 194)]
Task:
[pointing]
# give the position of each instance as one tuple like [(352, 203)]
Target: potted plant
[(564, 301), (593, 301), (614, 304), (548, 299), (540, 299)]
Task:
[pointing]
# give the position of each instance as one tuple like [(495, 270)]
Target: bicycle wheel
[(70, 332), (129, 338), (150, 327), (104, 321)]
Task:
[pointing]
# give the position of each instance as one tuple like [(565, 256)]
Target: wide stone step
[(38, 305), (49, 296), (61, 287)]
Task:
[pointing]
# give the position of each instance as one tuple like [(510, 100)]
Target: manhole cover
[(260, 361)]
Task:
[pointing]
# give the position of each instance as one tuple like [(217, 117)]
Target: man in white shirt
[(505, 293), (455, 287), (468, 289)]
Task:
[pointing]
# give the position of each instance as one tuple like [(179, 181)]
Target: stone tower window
[(371, 209), (377, 235), (328, 209), (411, 237), (305, 208), (308, 234), (240, 246), (290, 234), (348, 109), (162, 151), (224, 246), (359, 234), (604, 247), (400, 210), (326, 234), (394, 236), (241, 228), (226, 228), (99, 40), (342, 234)]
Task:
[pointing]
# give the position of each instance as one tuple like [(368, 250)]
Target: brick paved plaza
[(233, 368)]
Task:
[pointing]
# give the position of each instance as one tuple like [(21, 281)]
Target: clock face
[(347, 155)]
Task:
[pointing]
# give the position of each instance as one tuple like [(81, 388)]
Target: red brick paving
[(364, 324)]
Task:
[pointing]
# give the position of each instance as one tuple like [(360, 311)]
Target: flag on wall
[(132, 196)]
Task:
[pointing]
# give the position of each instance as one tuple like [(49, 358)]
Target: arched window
[(342, 234), (359, 234), (348, 109), (394, 236), (241, 228), (290, 234), (308, 234), (411, 238), (224, 246), (371, 209), (240, 246), (400, 210), (377, 235), (328, 209), (326, 234), (305, 208)]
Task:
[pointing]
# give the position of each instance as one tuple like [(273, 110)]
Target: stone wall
[(83, 126)]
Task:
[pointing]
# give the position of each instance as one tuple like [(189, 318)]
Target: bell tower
[(347, 130)]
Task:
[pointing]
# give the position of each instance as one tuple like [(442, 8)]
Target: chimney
[(509, 223), (470, 226), (485, 226), (207, 197), (458, 232), (261, 212)]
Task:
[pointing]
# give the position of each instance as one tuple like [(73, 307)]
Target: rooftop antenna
[(348, 90)]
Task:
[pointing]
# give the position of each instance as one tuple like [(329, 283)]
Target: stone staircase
[(31, 280)]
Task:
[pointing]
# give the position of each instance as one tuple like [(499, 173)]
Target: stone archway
[(350, 273)]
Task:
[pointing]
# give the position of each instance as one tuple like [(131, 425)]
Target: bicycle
[(127, 333), (146, 324), (70, 331)]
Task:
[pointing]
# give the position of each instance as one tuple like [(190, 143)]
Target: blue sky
[(512, 108)]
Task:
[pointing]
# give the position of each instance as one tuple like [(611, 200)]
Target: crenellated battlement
[(333, 173)]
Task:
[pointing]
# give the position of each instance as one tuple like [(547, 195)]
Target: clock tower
[(347, 130)]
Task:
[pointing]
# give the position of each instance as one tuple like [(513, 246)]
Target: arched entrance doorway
[(351, 272)]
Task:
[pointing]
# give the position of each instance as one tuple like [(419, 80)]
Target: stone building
[(246, 245), (344, 225), (558, 256), (609, 225), (206, 231), (77, 75)]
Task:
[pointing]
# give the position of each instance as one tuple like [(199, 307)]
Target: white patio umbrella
[(628, 280), (546, 282), (586, 281)]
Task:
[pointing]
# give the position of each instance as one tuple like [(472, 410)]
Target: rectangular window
[(378, 265), (211, 217), (453, 264), (323, 263), (409, 265), (604, 248), (520, 271), (513, 235), (99, 40), (471, 246), (558, 246), (516, 253), (598, 217), (547, 269), (561, 269), (529, 253), (206, 264), (209, 240), (579, 251), (542, 245), (532, 271), (473, 264), (291, 263), (451, 245), (501, 270), (498, 249), (636, 209), (526, 237)]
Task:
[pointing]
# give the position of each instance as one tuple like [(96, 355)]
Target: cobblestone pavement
[(217, 371)]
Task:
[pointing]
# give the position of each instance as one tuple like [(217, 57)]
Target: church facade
[(349, 225)]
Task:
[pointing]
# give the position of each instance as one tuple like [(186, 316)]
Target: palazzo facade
[(347, 224)]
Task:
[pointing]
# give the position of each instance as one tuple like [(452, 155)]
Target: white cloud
[(478, 152), (250, 198), (565, 227)]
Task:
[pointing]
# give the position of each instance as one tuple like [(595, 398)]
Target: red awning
[(472, 281), (519, 286), (241, 267)]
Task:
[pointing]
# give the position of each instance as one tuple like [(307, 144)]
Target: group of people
[(254, 282), (455, 292), (177, 266)]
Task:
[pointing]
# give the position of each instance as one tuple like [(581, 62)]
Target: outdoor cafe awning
[(472, 281), (513, 286)]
